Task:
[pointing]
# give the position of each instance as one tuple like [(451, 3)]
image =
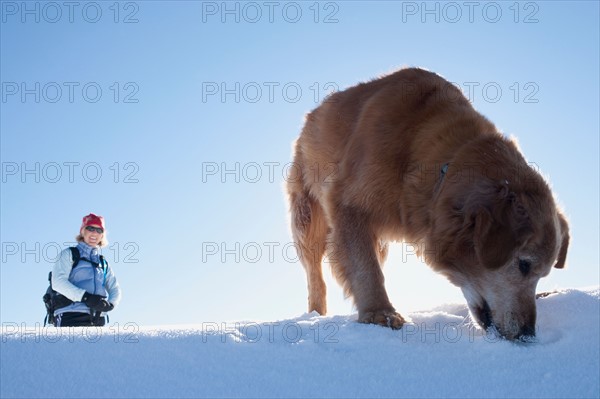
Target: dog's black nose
[(527, 333)]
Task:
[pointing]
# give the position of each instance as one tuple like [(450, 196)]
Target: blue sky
[(176, 123)]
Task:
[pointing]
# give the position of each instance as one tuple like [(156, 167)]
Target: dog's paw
[(386, 318)]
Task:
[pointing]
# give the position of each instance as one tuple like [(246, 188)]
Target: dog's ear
[(562, 253), (493, 240), (501, 225)]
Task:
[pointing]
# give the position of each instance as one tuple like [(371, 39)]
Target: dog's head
[(511, 234)]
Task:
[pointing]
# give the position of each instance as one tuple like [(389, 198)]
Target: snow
[(439, 354)]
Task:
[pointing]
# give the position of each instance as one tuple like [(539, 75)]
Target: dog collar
[(438, 185)]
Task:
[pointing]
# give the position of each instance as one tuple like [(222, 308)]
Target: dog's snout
[(484, 315), (527, 333)]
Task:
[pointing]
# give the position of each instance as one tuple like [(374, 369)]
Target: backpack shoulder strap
[(104, 266), (75, 255)]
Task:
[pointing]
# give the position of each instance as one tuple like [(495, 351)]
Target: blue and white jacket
[(73, 282)]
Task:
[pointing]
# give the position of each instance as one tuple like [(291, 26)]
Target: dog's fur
[(406, 157)]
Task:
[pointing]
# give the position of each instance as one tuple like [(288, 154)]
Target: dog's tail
[(309, 229)]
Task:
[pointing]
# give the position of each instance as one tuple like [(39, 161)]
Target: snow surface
[(439, 354)]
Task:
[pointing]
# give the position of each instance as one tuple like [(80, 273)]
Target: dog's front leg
[(356, 267)]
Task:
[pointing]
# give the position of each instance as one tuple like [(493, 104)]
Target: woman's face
[(92, 235)]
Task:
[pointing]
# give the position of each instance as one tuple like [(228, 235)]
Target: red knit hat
[(92, 219)]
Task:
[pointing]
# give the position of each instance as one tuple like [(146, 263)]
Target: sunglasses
[(98, 230)]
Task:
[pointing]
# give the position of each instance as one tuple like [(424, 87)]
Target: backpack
[(55, 300)]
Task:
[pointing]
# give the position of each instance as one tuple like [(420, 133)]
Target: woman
[(89, 286)]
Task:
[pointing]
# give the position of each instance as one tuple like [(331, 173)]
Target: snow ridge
[(440, 353)]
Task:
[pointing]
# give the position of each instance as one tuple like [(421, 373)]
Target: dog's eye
[(524, 266)]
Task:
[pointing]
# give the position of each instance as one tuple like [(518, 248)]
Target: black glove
[(96, 302), (104, 306)]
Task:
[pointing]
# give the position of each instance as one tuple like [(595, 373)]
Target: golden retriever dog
[(406, 157)]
